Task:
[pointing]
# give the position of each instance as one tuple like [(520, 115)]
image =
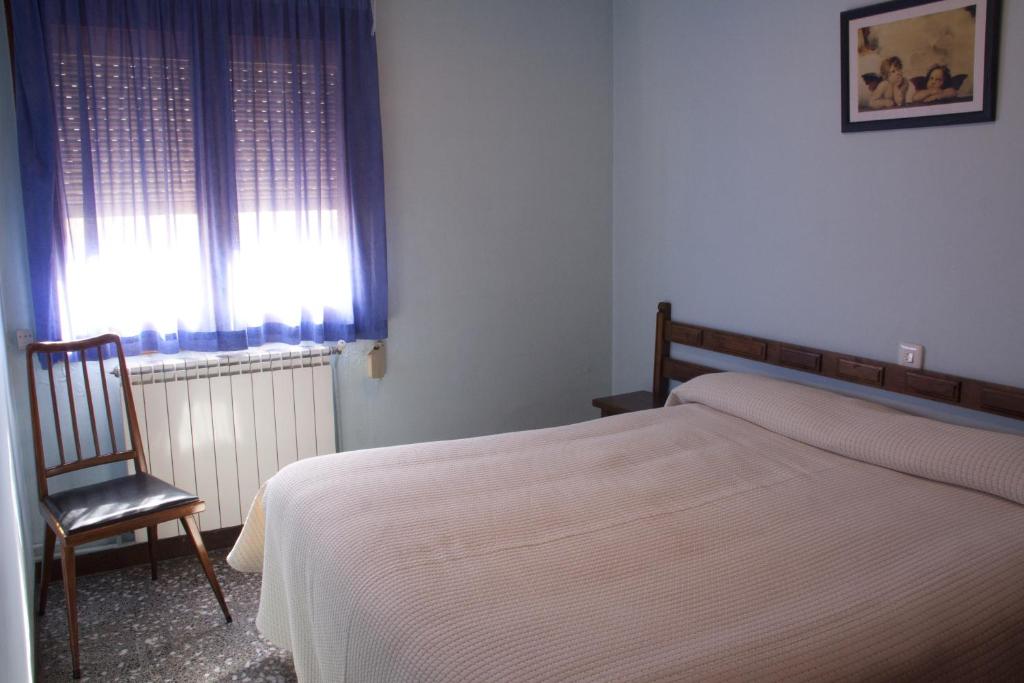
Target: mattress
[(750, 530)]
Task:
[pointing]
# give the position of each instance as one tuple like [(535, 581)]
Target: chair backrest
[(70, 361)]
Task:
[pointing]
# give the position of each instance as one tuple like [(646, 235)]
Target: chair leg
[(204, 559), (68, 567), (47, 567), (151, 540)]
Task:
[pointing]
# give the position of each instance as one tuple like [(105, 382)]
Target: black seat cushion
[(88, 507)]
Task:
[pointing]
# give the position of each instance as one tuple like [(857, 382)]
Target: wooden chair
[(126, 503)]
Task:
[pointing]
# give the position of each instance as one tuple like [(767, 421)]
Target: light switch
[(911, 355)]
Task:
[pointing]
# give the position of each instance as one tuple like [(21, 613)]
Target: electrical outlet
[(911, 355), (24, 338)]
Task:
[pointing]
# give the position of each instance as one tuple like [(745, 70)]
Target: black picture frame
[(979, 107)]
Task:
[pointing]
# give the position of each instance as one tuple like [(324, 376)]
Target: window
[(217, 172), (289, 216), (143, 227)]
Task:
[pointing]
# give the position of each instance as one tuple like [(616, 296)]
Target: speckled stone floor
[(134, 629)]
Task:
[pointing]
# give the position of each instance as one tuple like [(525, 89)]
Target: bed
[(752, 529)]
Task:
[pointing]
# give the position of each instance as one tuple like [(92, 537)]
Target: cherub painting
[(890, 88), (898, 59), (938, 85), (915, 58)]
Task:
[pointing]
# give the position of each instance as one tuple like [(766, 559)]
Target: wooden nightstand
[(626, 403)]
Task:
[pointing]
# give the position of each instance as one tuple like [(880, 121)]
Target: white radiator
[(221, 426)]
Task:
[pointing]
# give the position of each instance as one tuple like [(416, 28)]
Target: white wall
[(16, 488), (15, 567), (737, 198), (497, 161)]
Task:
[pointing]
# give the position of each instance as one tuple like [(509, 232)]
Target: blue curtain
[(202, 174)]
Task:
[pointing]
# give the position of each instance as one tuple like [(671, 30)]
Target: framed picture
[(912, 63)]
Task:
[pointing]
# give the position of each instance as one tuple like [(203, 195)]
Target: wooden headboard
[(960, 391)]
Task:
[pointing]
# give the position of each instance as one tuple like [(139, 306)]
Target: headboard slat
[(799, 359), (685, 334), (938, 388), (1003, 402), (735, 344), (852, 370)]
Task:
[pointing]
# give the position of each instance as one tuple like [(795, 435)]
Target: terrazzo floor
[(134, 629)]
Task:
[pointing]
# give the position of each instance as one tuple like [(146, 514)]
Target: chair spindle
[(106, 401), (71, 406), (56, 409), (88, 400)]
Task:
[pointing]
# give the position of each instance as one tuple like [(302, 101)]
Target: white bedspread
[(682, 543)]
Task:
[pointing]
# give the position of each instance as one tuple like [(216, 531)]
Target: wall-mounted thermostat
[(375, 361)]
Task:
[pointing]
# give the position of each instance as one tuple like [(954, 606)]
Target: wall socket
[(911, 355), (24, 338)]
